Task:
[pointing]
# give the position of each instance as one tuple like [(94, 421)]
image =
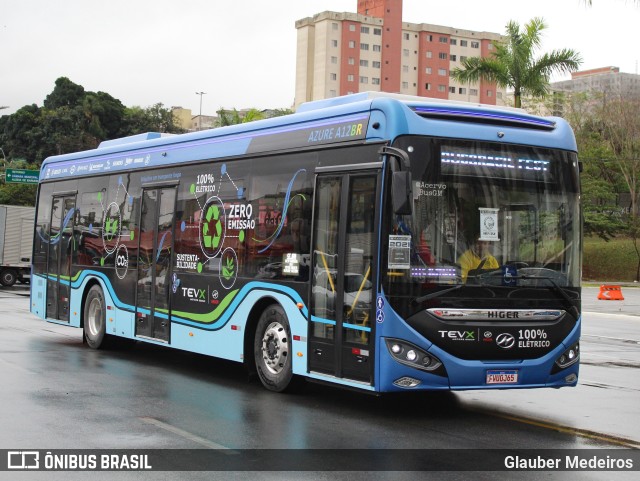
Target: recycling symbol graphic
[(212, 227), (212, 240)]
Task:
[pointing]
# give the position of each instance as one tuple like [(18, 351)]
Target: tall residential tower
[(374, 50)]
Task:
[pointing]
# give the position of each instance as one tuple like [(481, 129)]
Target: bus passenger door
[(60, 256), (343, 276), (154, 263)]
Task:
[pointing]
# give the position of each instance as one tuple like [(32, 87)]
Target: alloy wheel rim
[(275, 348), (95, 317)]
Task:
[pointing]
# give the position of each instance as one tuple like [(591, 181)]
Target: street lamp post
[(200, 115)]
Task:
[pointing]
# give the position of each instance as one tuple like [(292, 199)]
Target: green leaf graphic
[(229, 269)]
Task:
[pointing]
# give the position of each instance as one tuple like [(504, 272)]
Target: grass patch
[(615, 260)]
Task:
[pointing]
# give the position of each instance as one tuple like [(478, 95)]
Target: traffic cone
[(610, 293)]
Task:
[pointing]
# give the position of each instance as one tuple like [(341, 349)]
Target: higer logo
[(505, 340)]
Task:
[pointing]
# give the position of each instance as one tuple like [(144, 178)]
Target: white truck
[(16, 242)]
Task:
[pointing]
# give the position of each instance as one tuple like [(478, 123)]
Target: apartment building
[(599, 85), (605, 80), (339, 53)]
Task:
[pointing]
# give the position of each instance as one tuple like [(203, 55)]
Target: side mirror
[(401, 189), (401, 193)]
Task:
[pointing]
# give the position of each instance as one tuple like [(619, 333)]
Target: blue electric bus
[(378, 242)]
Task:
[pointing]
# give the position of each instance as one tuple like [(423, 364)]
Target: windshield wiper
[(556, 288), (420, 300)]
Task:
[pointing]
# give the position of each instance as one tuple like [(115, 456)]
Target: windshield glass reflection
[(486, 214)]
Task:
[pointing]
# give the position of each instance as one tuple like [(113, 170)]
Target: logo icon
[(175, 283), (228, 268), (505, 340), (122, 261), (111, 228), (23, 460), (211, 235), (212, 227)]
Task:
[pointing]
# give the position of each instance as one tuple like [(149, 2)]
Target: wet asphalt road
[(58, 394), (607, 398)]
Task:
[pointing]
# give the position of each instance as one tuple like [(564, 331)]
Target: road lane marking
[(585, 433), (632, 315), (187, 435), (621, 339), (17, 367), (607, 386)]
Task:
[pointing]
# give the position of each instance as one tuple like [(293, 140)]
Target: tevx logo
[(198, 295), (458, 335)]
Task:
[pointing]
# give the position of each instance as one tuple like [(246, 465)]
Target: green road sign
[(22, 176)]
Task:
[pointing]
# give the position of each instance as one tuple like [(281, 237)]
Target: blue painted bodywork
[(386, 119)]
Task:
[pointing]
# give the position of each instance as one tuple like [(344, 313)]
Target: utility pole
[(200, 115)]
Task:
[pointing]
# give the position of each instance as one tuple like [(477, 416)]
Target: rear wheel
[(95, 325), (272, 349)]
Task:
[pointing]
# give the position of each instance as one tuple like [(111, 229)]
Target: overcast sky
[(242, 52)]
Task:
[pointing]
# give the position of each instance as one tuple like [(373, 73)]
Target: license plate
[(502, 377)]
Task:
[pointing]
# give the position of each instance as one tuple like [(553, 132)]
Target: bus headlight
[(410, 355), (569, 357)]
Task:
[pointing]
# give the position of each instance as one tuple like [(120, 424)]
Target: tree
[(607, 129), (279, 112), (619, 126), (18, 193), (103, 115), (155, 118), (65, 94), (252, 115), (233, 117), (513, 65)]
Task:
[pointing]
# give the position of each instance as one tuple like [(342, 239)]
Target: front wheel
[(95, 319), (272, 349)]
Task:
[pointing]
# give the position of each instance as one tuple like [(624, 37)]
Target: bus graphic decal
[(284, 214)]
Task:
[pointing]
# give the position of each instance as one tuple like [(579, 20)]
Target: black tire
[(95, 318), (8, 277), (272, 349)]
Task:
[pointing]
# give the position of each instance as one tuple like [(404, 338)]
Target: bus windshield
[(486, 214)]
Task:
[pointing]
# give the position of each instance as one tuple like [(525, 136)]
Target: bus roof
[(407, 99), (363, 117)]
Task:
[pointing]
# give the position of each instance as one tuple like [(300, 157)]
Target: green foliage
[(614, 261), (71, 120), (18, 194), (65, 94), (155, 118), (513, 62), (279, 112), (607, 129), (233, 117)]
